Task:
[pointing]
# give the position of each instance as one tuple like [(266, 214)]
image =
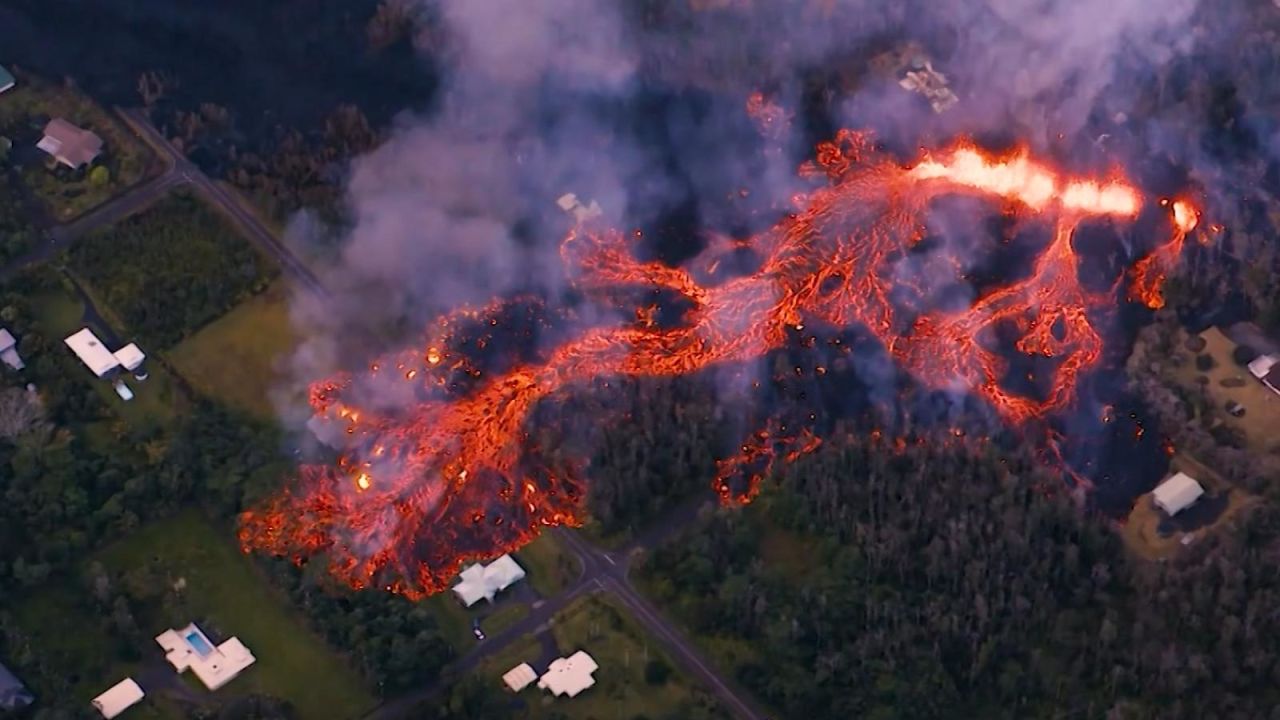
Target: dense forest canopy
[(942, 583)]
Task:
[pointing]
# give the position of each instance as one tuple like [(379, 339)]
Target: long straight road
[(601, 571)]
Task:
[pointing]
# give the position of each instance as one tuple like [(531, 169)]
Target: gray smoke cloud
[(457, 205)]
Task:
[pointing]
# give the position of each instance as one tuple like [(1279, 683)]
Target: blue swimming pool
[(198, 642)]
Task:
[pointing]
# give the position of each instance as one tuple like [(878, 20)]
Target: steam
[(546, 97)]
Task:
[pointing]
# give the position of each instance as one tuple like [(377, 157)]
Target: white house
[(6, 80), (9, 350), (569, 676), (1267, 369), (1177, 493), (92, 352), (486, 581), (122, 696), (190, 649), (519, 677), (70, 145)]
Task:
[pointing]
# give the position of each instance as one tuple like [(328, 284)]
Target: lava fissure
[(414, 494)]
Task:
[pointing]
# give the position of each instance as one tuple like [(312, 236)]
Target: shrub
[(1243, 355), (656, 672), (1205, 362)]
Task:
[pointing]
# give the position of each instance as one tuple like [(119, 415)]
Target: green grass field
[(67, 195), (504, 617), (223, 586), (237, 358), (550, 568)]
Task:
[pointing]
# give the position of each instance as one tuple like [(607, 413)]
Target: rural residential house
[(70, 145), (6, 80), (190, 649), (486, 581)]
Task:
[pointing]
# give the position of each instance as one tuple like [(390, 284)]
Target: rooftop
[(519, 677), (6, 79), (92, 352), (569, 676), (13, 694), (190, 649), (122, 696), (1177, 493), (70, 145), (485, 581)]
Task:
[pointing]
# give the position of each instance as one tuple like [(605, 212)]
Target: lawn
[(622, 649), (551, 569), (505, 616), (170, 270), (224, 591), (157, 400), (238, 357), (66, 194)]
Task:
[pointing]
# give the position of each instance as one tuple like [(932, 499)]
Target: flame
[(459, 476), (1150, 272)]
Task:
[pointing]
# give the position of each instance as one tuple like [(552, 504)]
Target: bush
[(656, 672), (1243, 355), (1195, 343), (1205, 363)]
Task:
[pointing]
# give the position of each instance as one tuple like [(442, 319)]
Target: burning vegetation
[(419, 490)]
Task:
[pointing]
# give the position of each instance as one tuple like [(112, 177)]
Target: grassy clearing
[(453, 620), (224, 592), (1141, 532), (1227, 382), (504, 617), (551, 569), (237, 358), (66, 194)]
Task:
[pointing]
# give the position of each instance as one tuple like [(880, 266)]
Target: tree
[(99, 175), (656, 672)]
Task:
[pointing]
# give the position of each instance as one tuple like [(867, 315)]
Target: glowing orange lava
[(419, 491)]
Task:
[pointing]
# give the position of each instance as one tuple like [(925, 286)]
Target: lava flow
[(455, 476)]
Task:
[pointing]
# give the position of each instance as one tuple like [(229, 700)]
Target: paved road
[(612, 573), (179, 171), (602, 571), (223, 199)]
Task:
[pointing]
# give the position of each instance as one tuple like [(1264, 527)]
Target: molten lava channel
[(419, 492)]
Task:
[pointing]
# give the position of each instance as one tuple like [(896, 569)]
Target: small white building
[(130, 358), (1267, 369), (7, 80), (122, 696), (1177, 493), (92, 352), (519, 677), (9, 350), (190, 649), (569, 203), (484, 582), (569, 676), (70, 145)]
